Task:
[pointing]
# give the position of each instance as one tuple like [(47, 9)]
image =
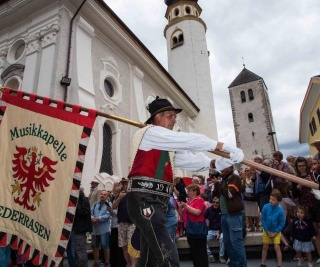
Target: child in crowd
[(213, 215), (302, 234), (273, 220)]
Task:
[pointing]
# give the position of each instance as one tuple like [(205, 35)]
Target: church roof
[(170, 2), (245, 76)]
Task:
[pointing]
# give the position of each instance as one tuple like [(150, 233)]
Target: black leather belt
[(149, 185)]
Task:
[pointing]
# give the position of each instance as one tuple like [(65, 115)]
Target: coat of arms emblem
[(30, 176)]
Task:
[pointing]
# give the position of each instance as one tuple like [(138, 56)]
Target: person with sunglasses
[(213, 215)]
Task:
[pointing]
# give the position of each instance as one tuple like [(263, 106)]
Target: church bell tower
[(188, 59), (252, 116)]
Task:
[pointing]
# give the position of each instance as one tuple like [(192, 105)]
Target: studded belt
[(149, 185)]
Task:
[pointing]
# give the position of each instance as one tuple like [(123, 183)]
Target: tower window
[(243, 96), (177, 39), (250, 117), (318, 114), (180, 39), (106, 160), (188, 10), (176, 12), (174, 41), (250, 93)]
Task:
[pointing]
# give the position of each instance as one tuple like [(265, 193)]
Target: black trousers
[(116, 254), (148, 212), (198, 252)]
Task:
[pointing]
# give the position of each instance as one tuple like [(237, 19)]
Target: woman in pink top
[(195, 208)]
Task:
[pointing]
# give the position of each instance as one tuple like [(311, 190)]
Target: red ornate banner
[(42, 151)]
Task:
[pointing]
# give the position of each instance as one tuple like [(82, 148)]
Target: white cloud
[(278, 39)]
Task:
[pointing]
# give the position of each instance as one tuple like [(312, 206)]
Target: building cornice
[(181, 19)]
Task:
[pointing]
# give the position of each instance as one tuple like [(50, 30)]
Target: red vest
[(153, 163)]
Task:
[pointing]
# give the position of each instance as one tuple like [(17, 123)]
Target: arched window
[(13, 82), (180, 39), (243, 96), (12, 76), (188, 10), (177, 39), (250, 93), (176, 12), (106, 160), (250, 117), (174, 41)]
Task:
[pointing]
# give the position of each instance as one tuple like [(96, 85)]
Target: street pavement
[(253, 261)]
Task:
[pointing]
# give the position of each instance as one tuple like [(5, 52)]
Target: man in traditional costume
[(155, 151)]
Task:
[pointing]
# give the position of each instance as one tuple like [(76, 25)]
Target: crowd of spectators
[(202, 201)]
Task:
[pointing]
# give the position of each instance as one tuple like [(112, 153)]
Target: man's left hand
[(236, 154)]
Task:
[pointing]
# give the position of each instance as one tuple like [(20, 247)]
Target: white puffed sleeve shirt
[(188, 147)]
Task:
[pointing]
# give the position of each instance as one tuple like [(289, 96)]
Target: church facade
[(82, 53)]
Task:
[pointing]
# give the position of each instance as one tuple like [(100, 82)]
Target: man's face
[(226, 171), (94, 185), (103, 196), (277, 158), (166, 119)]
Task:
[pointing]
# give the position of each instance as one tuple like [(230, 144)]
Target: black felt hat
[(159, 105)]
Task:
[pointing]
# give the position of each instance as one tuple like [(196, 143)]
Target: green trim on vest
[(164, 158)]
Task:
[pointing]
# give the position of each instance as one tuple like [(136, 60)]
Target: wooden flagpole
[(275, 172), (249, 163)]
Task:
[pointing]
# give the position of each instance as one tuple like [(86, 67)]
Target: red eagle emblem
[(30, 181)]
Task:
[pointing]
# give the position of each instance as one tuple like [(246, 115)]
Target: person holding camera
[(216, 184)]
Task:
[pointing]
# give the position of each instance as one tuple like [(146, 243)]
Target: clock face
[(19, 51)]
